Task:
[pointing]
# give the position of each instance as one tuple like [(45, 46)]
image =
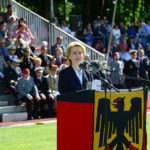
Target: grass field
[(37, 137), (33, 137)]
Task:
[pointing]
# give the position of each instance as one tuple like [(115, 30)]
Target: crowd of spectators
[(32, 78)]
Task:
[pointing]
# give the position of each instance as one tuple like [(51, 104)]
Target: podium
[(87, 120)]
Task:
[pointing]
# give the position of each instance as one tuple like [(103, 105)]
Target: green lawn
[(148, 132), (37, 137), (34, 137)]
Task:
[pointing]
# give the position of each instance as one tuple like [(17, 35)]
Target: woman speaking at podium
[(73, 78)]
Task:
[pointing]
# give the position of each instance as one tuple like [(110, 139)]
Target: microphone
[(107, 68), (94, 65), (84, 64)]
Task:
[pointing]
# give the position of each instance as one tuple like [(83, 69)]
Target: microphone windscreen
[(95, 64), (84, 64)]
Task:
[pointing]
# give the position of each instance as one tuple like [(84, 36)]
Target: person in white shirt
[(116, 34)]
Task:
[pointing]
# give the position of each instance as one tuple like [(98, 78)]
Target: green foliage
[(30, 4), (131, 10), (65, 9)]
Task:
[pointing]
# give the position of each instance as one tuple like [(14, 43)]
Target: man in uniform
[(12, 74), (115, 75), (52, 80), (37, 63), (11, 54), (27, 91), (46, 58), (131, 69), (44, 92), (27, 59)]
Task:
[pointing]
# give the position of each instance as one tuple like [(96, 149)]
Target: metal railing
[(40, 28), (38, 25), (4, 3)]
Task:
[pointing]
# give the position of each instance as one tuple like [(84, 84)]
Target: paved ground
[(148, 102), (36, 121), (46, 120)]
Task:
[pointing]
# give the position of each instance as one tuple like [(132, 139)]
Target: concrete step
[(8, 97), (12, 117), (2, 86), (3, 103), (11, 109)]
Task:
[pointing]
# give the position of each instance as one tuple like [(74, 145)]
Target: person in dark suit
[(12, 73), (37, 63), (27, 59), (131, 68), (44, 92), (57, 45), (59, 56), (143, 64), (27, 91), (73, 78)]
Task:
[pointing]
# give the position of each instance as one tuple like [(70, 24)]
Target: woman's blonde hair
[(74, 44)]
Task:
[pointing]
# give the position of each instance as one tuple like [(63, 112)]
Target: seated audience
[(44, 92), (28, 92)]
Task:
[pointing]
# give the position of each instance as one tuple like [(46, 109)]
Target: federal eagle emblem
[(117, 128)]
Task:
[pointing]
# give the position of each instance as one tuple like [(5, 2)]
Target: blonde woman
[(73, 78)]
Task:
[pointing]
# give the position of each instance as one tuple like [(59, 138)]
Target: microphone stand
[(107, 85), (145, 84)]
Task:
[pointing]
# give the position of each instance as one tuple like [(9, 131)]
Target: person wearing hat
[(46, 58), (3, 48), (37, 63), (12, 74), (131, 68), (11, 54), (27, 59), (58, 45), (44, 92), (28, 92), (52, 80), (114, 76)]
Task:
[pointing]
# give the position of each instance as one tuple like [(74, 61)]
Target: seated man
[(27, 59), (46, 58), (12, 74), (58, 45), (2, 30), (59, 56), (11, 54), (37, 63), (52, 80), (27, 91), (3, 48), (44, 92), (3, 65)]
